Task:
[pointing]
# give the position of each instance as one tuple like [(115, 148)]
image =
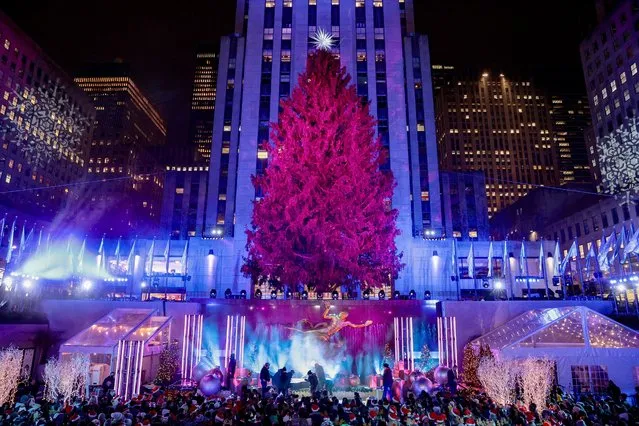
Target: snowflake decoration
[(618, 155), (323, 40), (45, 126)]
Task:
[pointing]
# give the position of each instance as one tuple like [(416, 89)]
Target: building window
[(595, 224), (613, 86), (589, 378), (604, 220), (615, 216), (633, 68), (626, 212)]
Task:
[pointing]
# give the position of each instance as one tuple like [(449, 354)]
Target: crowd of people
[(269, 406)]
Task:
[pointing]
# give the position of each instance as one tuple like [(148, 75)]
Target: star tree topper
[(323, 40)]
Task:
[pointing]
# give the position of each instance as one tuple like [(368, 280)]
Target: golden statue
[(324, 330)]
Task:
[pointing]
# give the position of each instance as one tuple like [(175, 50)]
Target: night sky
[(538, 40)]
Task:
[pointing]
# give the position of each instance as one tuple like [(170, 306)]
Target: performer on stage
[(338, 321), (230, 372)]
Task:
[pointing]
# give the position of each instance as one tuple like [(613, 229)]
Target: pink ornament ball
[(422, 384), (210, 385), (200, 370)]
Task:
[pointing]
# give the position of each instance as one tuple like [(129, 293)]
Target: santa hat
[(395, 400), (393, 417), (457, 412), (74, 418), (405, 410), (469, 421), (315, 408), (352, 417), (92, 414), (530, 417), (372, 413), (467, 413)]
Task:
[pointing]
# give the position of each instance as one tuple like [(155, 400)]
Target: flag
[(184, 258), (591, 255), (29, 236), (48, 245), (69, 256), (454, 260), (101, 256), (556, 261), (504, 258), (148, 267), (2, 223), (602, 259), (490, 259), (39, 241), (10, 245), (621, 242), (633, 244), (130, 261), (572, 252), (117, 255), (523, 260), (542, 259), (471, 261), (167, 252), (81, 256)]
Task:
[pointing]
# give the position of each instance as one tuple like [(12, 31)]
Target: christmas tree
[(325, 218), (169, 359), (470, 366)]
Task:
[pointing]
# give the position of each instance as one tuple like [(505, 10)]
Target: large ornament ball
[(441, 375), (396, 389), (200, 370), (210, 385), (354, 380), (217, 373), (422, 384), (415, 375)]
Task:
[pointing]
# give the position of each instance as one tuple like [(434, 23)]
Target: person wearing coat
[(265, 377), (387, 382), (230, 372)]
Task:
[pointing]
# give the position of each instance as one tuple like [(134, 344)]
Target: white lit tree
[(498, 378), (10, 366), (536, 379), (65, 379)]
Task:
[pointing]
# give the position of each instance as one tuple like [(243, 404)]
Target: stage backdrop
[(346, 337)]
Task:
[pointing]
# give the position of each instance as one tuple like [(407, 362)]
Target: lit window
[(262, 155), (607, 109), (617, 103), (11, 164), (7, 178), (472, 234), (633, 68), (613, 86), (622, 77), (604, 93), (179, 190), (7, 44)]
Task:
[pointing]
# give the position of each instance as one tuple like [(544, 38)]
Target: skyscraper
[(610, 57), (46, 123), (259, 65), (570, 118), (124, 154), (203, 103), (501, 127)]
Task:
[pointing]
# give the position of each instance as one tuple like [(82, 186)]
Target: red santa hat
[(92, 414), (469, 421), (467, 413), (457, 412), (372, 413), (74, 418), (393, 416), (405, 411), (352, 417), (315, 408)]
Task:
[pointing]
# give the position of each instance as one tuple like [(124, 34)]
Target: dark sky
[(533, 39)]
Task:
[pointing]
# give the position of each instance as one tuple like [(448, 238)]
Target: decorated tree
[(470, 364), (66, 379), (10, 364), (169, 360), (325, 218), (536, 380), (498, 378)]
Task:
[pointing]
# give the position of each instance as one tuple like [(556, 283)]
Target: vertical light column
[(235, 330), (191, 344), (447, 341), (128, 374), (404, 341)]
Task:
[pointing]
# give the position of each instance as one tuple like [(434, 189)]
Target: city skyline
[(153, 42)]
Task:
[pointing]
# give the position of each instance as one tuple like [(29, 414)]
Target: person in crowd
[(387, 382), (452, 381), (265, 377), (230, 372), (321, 376), (108, 383), (313, 381)]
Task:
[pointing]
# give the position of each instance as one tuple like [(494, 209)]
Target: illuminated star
[(323, 40)]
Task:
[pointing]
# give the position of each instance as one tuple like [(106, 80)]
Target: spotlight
[(381, 295), (427, 295), (27, 284), (435, 254), (211, 253), (485, 284), (396, 294), (8, 281), (143, 284), (499, 285), (621, 288), (212, 293), (228, 293), (367, 294), (305, 295), (335, 295), (243, 294), (273, 295), (319, 295), (412, 295), (289, 294), (258, 294), (86, 285), (555, 281)]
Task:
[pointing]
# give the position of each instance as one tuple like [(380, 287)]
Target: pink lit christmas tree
[(325, 219)]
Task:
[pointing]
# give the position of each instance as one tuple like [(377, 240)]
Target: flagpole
[(542, 259), (455, 267), (506, 262), (598, 270), (581, 272)]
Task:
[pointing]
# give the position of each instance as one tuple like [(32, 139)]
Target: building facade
[(259, 66), (184, 201), (610, 57), (465, 205), (501, 127), (203, 103), (124, 154), (570, 116), (46, 125)]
